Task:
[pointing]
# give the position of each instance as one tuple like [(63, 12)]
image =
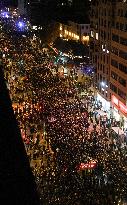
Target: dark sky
[(6, 3)]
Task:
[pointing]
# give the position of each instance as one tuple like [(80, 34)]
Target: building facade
[(118, 62), (22, 6), (108, 46), (75, 31), (64, 3)]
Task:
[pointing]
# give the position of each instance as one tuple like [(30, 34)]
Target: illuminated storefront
[(74, 31), (119, 111), (105, 103)]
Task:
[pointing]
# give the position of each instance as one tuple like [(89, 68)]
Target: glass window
[(123, 41), (125, 14), (115, 38), (121, 13), (101, 22), (115, 51), (113, 87), (121, 26), (117, 25), (104, 23), (123, 68), (114, 63), (123, 54), (125, 28), (97, 36), (122, 81), (121, 94), (118, 12), (114, 75)]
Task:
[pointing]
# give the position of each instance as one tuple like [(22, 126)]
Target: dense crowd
[(61, 129)]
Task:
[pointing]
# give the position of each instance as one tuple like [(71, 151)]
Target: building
[(22, 7), (17, 181), (118, 62), (108, 46), (64, 3), (75, 31)]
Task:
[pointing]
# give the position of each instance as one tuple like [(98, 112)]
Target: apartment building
[(108, 45)]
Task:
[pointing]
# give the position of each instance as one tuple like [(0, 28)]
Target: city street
[(63, 131)]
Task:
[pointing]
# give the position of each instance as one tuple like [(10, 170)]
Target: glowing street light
[(102, 83), (20, 24), (5, 14)]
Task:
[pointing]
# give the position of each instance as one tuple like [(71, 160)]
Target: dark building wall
[(17, 184), (41, 11)]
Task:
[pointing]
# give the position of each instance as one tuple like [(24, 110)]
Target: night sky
[(4, 3)]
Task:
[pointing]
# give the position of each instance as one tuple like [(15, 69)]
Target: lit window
[(97, 36), (35, 27), (85, 38), (69, 33), (92, 34), (60, 28)]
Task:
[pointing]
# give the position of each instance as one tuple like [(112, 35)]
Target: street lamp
[(102, 84), (21, 25)]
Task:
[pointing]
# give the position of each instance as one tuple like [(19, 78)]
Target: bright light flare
[(5, 14), (21, 24)]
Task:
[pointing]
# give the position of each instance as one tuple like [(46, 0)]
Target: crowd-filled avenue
[(74, 154)]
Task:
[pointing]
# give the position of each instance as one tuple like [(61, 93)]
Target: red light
[(89, 165), (119, 104), (115, 100), (123, 107)]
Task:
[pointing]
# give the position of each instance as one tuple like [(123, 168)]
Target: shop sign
[(90, 165), (119, 104)]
